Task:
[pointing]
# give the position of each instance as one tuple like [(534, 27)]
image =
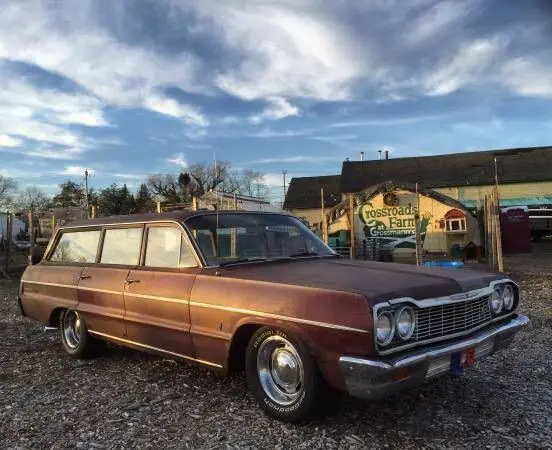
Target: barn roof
[(304, 192), (517, 165)]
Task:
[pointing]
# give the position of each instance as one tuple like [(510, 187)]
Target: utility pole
[(284, 173), (86, 193)]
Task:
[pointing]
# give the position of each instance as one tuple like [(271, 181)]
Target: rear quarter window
[(76, 246)]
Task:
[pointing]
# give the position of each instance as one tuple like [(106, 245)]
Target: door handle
[(85, 277), (131, 281)]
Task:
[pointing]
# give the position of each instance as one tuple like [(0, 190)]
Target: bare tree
[(252, 183), (8, 187), (166, 187), (33, 199)]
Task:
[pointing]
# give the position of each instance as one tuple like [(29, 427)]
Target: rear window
[(77, 246), (122, 246)]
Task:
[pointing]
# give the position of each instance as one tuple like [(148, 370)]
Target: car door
[(54, 281), (157, 294), (101, 286)]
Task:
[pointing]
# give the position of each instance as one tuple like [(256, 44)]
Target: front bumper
[(374, 378)]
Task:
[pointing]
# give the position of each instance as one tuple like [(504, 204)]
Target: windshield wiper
[(242, 260), (305, 253)]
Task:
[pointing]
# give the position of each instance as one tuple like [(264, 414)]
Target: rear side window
[(77, 246), (122, 246), (166, 247)]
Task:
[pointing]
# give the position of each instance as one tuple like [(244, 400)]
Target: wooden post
[(498, 234), (31, 236), (194, 203), (352, 224), (94, 211), (418, 236), (53, 225), (235, 202), (158, 207), (323, 219), (9, 232)]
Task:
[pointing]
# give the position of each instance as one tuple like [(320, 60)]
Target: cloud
[(270, 133), (9, 141), (279, 108), (172, 108), (297, 159), (436, 19), (76, 170), (467, 66), (529, 76), (179, 159)]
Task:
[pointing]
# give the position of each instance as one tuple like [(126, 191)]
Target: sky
[(133, 87)]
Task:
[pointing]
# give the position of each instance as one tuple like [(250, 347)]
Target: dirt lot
[(129, 399)]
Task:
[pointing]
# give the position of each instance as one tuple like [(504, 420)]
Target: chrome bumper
[(374, 378)]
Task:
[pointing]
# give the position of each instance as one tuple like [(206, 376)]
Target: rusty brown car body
[(303, 327)]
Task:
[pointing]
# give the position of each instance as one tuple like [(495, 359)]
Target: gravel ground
[(129, 399)]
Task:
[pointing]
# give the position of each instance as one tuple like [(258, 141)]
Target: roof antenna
[(216, 201)]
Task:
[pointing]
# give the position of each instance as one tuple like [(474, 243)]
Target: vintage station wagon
[(261, 292)]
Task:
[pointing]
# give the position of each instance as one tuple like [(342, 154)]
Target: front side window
[(122, 246), (165, 247), (77, 246), (232, 237)]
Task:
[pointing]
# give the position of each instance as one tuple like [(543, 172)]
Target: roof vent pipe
[(379, 151), (362, 156), (386, 154)]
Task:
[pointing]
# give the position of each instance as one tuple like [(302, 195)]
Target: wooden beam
[(352, 224)]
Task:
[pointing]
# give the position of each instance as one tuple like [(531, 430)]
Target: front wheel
[(283, 375), (74, 336)]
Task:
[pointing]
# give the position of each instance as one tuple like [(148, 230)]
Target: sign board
[(395, 224)]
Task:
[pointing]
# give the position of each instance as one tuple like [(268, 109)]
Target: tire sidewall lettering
[(266, 334), (285, 409)]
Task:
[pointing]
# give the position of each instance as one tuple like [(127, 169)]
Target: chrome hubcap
[(72, 328), (280, 370)]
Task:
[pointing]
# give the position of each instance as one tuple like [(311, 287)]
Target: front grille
[(451, 318)]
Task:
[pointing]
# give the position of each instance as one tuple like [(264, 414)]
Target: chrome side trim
[(155, 297), (127, 341), (44, 283), (278, 317), (217, 307)]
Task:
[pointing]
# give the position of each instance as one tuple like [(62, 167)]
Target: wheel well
[(238, 346), (54, 317)]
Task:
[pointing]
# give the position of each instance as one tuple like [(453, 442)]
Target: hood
[(375, 280)]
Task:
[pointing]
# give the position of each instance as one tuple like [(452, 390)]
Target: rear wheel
[(283, 376), (74, 336)]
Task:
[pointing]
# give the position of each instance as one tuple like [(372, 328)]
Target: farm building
[(524, 178)]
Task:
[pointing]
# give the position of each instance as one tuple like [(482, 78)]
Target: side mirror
[(35, 259)]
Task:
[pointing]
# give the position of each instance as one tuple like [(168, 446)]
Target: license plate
[(461, 360)]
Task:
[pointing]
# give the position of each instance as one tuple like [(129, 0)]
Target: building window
[(455, 221), (456, 225)]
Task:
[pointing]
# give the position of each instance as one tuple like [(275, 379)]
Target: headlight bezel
[(509, 307), (391, 336), (396, 317), (496, 299)]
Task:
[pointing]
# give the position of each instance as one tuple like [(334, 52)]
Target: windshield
[(231, 238)]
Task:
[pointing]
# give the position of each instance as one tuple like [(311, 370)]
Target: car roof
[(171, 216)]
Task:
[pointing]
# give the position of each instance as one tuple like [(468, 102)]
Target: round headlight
[(496, 301), (405, 322), (508, 297), (385, 328)]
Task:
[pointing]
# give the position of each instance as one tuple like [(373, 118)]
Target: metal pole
[(323, 221), (284, 173), (86, 193)]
